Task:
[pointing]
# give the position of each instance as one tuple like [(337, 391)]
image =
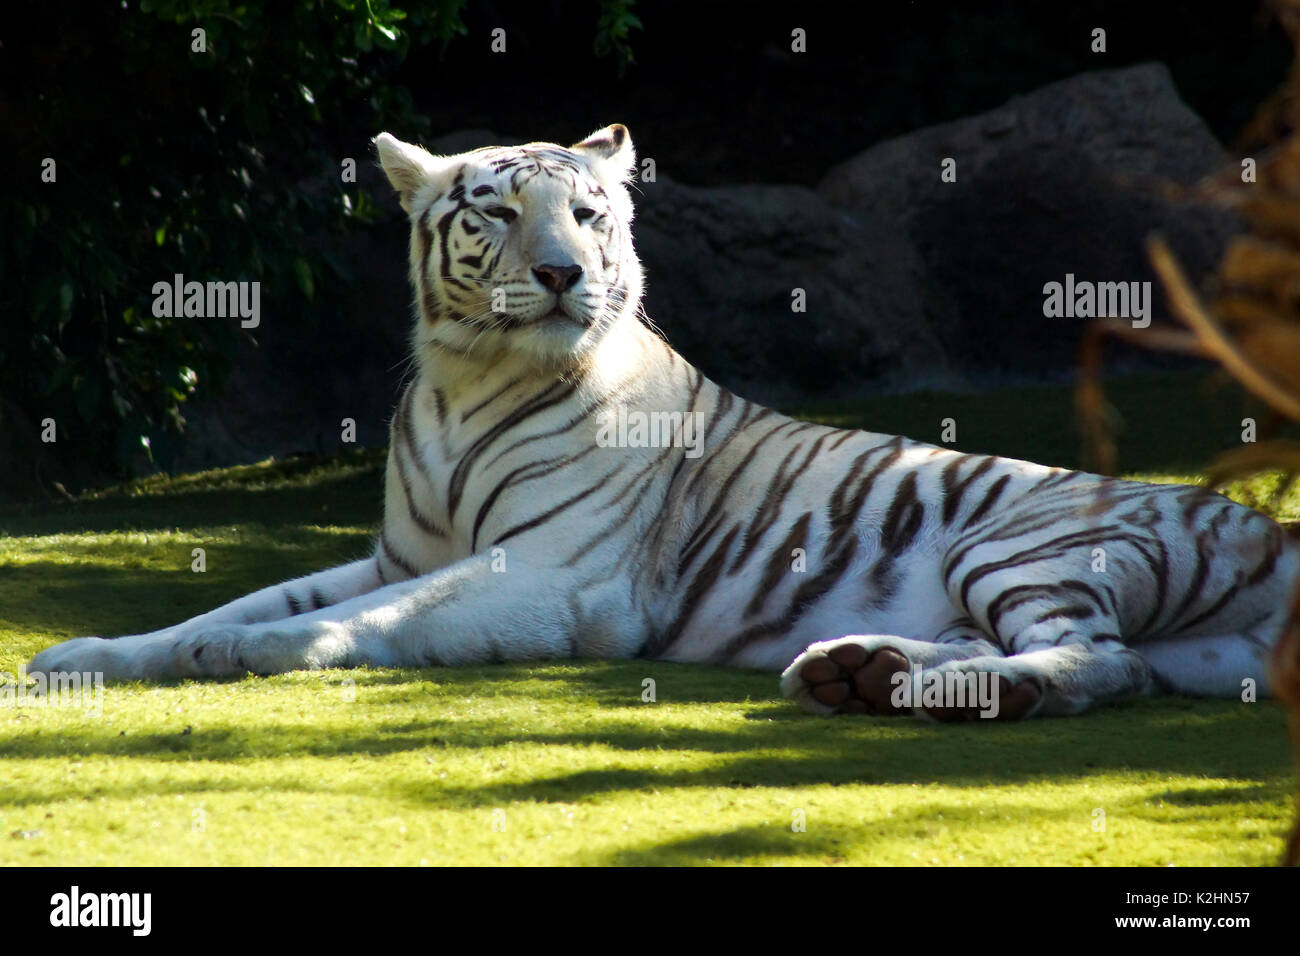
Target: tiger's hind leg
[(861, 675), (1044, 682), (1222, 666), (858, 674), (1054, 668), (1056, 628)]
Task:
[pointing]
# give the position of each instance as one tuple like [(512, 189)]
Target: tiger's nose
[(558, 278)]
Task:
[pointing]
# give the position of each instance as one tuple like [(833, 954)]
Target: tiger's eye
[(582, 214), (504, 213)]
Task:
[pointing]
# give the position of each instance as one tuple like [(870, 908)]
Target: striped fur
[(512, 533)]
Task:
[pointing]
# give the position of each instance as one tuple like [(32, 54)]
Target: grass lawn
[(564, 763)]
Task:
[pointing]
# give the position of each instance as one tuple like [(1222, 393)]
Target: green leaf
[(66, 295), (302, 272)]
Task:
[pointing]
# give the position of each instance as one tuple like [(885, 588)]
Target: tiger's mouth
[(559, 315)]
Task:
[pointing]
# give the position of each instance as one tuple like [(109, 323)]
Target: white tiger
[(846, 558)]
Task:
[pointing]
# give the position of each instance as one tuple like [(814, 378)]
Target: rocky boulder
[(1068, 179)]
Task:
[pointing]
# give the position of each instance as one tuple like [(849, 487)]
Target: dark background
[(226, 166), (718, 97)]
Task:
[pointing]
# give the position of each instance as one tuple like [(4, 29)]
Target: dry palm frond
[(1249, 323)]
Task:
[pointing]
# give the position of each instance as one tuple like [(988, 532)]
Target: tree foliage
[(175, 156)]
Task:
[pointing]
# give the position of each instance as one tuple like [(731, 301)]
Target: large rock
[(723, 267), (1068, 179)]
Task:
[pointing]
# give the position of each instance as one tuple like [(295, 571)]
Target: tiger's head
[(519, 248)]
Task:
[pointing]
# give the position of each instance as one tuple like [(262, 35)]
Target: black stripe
[(778, 566), (1193, 500), (990, 498), (845, 520), (681, 462), (1074, 612), (720, 497), (844, 436), (397, 560), (465, 416), (695, 591), (584, 415), (700, 539), (1213, 609), (553, 395), (427, 297), (1265, 567), (1203, 562), (768, 511), (1053, 548), (953, 490), (836, 504), (562, 506), (536, 469), (804, 598), (904, 518), (1160, 569), (406, 430), (777, 495), (1021, 594), (627, 514)]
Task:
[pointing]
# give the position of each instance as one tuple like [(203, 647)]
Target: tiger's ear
[(409, 168), (610, 148)]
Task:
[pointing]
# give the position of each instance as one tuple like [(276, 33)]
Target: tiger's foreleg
[(150, 655), (466, 613)]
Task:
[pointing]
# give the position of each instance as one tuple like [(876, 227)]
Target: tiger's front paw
[(114, 659), (80, 655), (262, 649), (216, 652)]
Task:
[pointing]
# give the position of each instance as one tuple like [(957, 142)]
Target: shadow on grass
[(771, 746), (340, 495), (829, 842), (826, 843), (1215, 797)]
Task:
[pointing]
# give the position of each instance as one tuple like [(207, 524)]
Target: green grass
[(563, 763)]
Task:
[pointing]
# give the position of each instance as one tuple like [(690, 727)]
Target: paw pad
[(856, 681)]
